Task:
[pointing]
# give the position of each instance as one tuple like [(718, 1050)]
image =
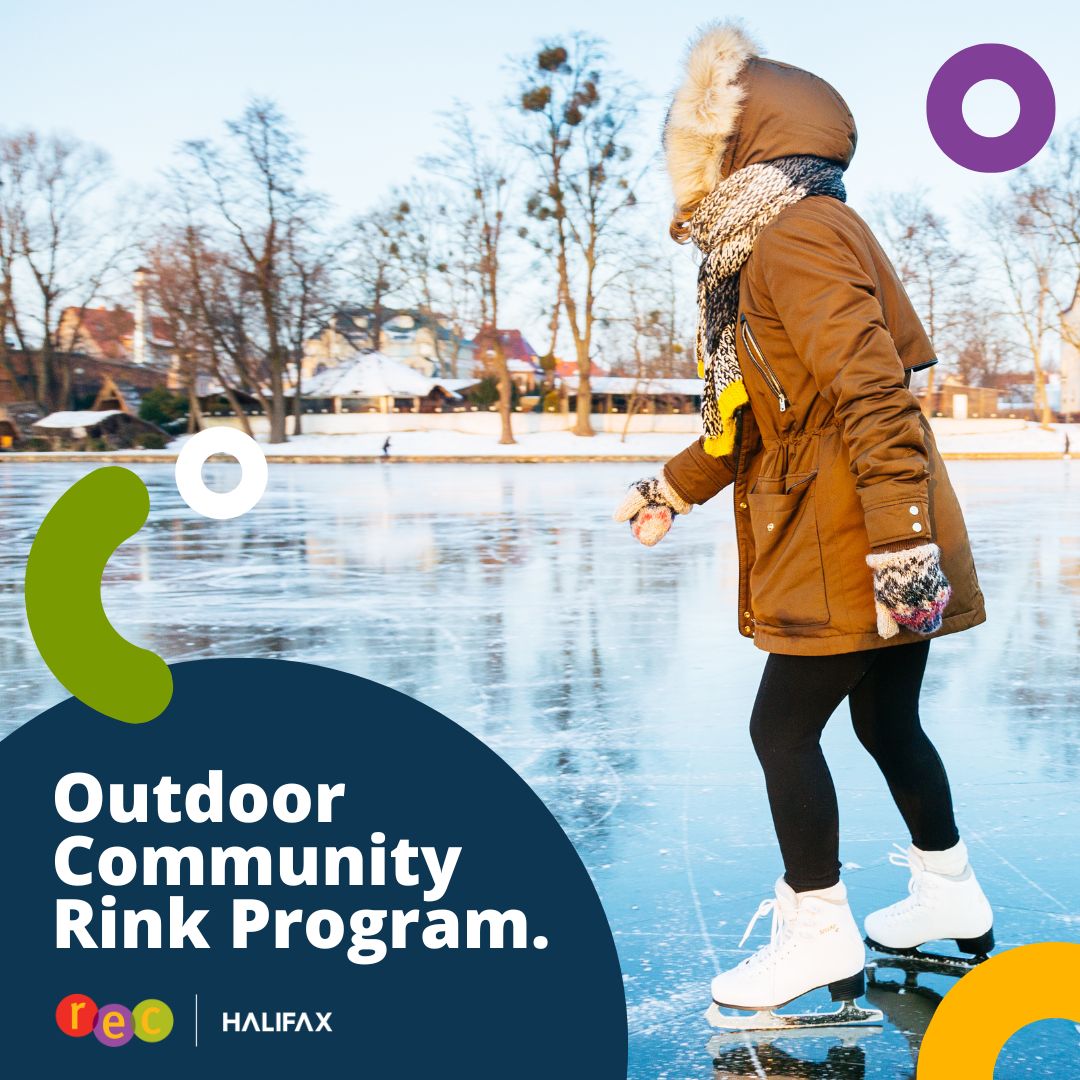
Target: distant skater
[(386, 447), (853, 552)]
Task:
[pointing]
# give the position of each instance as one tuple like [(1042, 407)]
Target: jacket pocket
[(765, 369), (787, 581)]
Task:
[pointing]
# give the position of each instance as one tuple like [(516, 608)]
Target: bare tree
[(213, 301), (1028, 259), (577, 114), (1049, 194), (936, 273), (438, 278), (253, 183), (11, 211), (307, 298), (984, 349), (481, 181), (374, 260), (58, 249), (644, 328), (171, 286)]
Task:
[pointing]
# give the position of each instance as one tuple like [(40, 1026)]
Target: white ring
[(221, 504)]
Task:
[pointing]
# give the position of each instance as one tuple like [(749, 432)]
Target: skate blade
[(848, 1015), (918, 961)]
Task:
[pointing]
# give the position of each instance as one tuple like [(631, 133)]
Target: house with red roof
[(522, 360), (109, 334), (568, 369)]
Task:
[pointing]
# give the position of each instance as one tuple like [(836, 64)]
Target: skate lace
[(902, 857), (776, 934)]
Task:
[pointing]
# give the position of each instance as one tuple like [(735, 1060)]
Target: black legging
[(797, 696)]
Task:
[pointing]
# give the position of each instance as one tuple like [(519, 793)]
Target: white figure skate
[(944, 901), (814, 943)]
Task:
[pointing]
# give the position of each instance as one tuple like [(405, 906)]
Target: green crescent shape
[(63, 598)]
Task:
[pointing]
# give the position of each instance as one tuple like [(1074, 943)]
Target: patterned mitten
[(650, 507), (910, 589)]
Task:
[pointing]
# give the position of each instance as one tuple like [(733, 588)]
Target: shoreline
[(164, 457)]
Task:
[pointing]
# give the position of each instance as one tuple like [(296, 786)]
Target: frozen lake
[(613, 679)]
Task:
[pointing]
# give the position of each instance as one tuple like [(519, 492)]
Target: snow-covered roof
[(513, 364), (79, 418), (371, 375), (618, 384)]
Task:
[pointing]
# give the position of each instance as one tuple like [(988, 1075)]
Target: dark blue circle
[(409, 772)]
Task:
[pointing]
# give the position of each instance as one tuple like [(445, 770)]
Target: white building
[(1070, 359), (374, 382), (423, 341)]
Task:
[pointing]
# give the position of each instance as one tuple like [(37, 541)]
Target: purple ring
[(945, 108)]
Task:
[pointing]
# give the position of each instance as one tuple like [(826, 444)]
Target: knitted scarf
[(724, 227)]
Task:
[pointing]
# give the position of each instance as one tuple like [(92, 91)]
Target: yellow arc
[(993, 1002)]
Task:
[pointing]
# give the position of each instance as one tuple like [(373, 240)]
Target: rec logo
[(150, 1021)]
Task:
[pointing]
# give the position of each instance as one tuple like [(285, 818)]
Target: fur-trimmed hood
[(734, 108)]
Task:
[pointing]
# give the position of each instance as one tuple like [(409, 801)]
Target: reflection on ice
[(840, 1056), (613, 678)]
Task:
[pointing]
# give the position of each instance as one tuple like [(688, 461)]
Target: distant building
[(1016, 392), (568, 369), (617, 393), (91, 379), (422, 340), (951, 397), (16, 377), (105, 429), (16, 419), (9, 432), (374, 382), (118, 352), (522, 360), (133, 337)]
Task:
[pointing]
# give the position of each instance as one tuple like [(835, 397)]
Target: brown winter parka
[(834, 455)]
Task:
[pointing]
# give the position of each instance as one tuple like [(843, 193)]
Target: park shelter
[(84, 429), (373, 382), (111, 396), (9, 430)]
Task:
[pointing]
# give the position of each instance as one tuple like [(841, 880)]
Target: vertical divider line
[(196, 1021)]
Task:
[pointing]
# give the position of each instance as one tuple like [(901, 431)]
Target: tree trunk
[(277, 406), (236, 407), (195, 416), (1041, 400), (278, 434), (582, 421), (631, 410), (506, 400), (42, 393), (63, 380)]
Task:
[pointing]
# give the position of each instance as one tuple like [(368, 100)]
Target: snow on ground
[(953, 436), (1016, 438), (460, 444)]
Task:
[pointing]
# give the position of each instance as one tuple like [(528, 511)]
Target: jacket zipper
[(758, 357)]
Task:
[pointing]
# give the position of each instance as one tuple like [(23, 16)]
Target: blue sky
[(364, 83)]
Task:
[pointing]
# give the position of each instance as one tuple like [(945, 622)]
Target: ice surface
[(614, 679)]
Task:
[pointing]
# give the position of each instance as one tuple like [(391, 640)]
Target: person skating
[(852, 546)]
